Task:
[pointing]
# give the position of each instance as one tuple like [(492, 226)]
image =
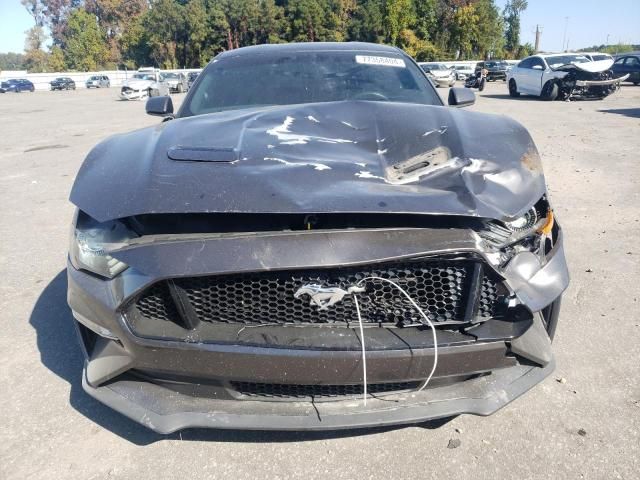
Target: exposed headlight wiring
[(354, 291)]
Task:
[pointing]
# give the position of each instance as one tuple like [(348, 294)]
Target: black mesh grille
[(278, 390), (268, 297), (491, 302)]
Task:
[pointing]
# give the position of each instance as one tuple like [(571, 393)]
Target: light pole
[(564, 37)]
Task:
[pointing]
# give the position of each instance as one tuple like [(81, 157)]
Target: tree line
[(107, 34)]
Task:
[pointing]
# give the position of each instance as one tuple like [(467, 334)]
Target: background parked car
[(463, 71), (439, 73), (16, 85), (596, 56), (627, 64), (98, 81), (63, 83), (496, 69), (191, 78), (177, 82)]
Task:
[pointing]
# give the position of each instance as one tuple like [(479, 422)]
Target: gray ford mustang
[(314, 241)]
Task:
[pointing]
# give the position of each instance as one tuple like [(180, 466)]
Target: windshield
[(559, 60), (143, 76), (600, 57), (171, 76), (435, 66), (288, 78)]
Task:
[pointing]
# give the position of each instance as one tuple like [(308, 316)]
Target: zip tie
[(364, 355)]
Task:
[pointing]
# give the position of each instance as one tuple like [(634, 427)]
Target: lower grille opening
[(293, 391)]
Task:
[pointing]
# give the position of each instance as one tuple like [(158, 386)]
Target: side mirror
[(461, 97), (159, 106)]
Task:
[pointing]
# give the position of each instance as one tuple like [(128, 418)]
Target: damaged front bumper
[(601, 83), (127, 93), (288, 377)]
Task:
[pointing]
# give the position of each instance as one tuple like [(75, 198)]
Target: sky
[(589, 23)]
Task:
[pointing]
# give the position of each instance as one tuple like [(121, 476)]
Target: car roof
[(561, 54), (310, 47)]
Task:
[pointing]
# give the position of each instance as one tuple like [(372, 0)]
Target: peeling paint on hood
[(359, 156)]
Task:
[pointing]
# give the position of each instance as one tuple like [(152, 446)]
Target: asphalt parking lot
[(582, 422)]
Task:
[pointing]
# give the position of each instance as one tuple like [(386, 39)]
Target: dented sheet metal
[(358, 156)]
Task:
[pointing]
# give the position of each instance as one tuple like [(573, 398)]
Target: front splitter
[(166, 411)]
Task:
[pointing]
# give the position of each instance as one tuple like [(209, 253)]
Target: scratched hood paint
[(327, 157)]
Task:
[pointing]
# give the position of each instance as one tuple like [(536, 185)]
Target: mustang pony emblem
[(324, 297)]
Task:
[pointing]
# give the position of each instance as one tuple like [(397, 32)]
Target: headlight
[(524, 223), (90, 242), (537, 221)]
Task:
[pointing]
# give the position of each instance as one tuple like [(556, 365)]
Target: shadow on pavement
[(506, 96), (627, 112), (61, 354)]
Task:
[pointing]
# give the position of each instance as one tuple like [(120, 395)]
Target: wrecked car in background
[(147, 82), (439, 73), (563, 77), (314, 241)]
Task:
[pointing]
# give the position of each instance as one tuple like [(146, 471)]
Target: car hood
[(138, 84), (352, 156), (440, 73), (591, 67)]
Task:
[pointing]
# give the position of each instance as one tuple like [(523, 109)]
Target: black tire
[(108, 84), (483, 82), (550, 91), (513, 89)]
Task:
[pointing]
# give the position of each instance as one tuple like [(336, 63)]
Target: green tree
[(164, 25), (196, 32), (306, 20), (512, 11), (85, 47), (399, 15), (426, 18), (12, 61), (35, 56), (489, 40), (525, 50), (134, 44), (270, 25), (464, 30), (116, 18), (55, 62), (367, 22)]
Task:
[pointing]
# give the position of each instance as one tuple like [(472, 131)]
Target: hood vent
[(203, 154)]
